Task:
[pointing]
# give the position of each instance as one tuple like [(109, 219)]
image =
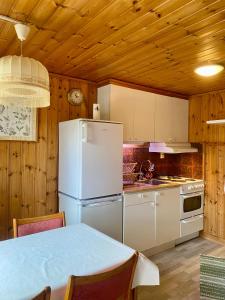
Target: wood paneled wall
[(207, 107), (214, 190), (28, 170), (202, 108)]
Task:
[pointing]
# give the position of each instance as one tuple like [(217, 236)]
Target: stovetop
[(178, 179), (188, 185)]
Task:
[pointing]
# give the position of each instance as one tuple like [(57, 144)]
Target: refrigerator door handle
[(101, 203), (116, 200), (84, 132)]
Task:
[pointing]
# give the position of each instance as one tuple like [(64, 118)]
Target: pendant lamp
[(24, 81)]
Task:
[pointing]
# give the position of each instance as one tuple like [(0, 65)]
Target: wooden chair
[(112, 285), (28, 226), (44, 295)]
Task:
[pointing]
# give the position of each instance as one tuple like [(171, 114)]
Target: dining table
[(32, 262)]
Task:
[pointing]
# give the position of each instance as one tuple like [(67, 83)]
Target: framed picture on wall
[(18, 123)]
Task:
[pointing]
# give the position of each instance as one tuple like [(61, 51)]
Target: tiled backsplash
[(183, 164)]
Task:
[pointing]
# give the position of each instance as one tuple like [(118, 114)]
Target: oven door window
[(192, 203)]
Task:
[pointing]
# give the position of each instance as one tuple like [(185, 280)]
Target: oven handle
[(193, 219), (192, 195)]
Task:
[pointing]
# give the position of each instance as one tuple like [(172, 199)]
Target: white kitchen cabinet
[(134, 108), (147, 117), (139, 220), (171, 119), (179, 120), (167, 215), (122, 110), (151, 218), (144, 123)]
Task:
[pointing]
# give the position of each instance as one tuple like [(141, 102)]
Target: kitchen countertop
[(141, 187)]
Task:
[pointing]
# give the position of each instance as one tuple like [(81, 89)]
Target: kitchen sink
[(155, 182), (151, 182)]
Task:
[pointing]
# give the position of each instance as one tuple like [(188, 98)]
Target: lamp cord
[(21, 48)]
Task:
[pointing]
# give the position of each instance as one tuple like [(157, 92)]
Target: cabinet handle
[(144, 196), (188, 221), (159, 194), (84, 132), (192, 219), (140, 195)]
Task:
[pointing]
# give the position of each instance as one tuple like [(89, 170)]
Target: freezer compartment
[(103, 214), (106, 216)]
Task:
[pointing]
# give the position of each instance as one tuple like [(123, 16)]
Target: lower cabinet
[(151, 218), (139, 220), (167, 215)]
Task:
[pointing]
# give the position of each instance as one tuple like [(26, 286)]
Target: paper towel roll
[(96, 111)]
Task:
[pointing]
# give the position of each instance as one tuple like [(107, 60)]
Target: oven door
[(191, 205)]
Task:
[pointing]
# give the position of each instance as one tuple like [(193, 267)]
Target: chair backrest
[(43, 295), (111, 285), (212, 277), (28, 226)]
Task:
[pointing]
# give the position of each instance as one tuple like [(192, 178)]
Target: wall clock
[(75, 97)]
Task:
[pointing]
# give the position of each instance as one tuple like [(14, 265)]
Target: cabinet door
[(122, 109), (167, 215), (139, 221), (144, 114), (179, 127), (171, 119), (163, 117)]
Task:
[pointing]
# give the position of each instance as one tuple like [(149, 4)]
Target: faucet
[(148, 170), (141, 176)]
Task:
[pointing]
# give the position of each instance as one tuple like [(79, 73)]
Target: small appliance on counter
[(90, 174), (191, 205)]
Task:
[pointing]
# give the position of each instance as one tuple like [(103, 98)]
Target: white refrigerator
[(90, 174)]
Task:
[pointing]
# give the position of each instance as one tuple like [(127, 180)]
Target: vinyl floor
[(179, 271)]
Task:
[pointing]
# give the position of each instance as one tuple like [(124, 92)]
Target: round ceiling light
[(209, 70)]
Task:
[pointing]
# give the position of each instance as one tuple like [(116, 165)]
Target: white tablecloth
[(30, 263)]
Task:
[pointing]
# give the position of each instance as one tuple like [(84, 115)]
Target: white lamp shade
[(24, 81)]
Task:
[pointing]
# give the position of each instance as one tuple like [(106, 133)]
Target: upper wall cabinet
[(171, 119), (146, 116), (134, 108)]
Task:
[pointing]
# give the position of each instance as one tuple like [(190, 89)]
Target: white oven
[(191, 208), (191, 204)]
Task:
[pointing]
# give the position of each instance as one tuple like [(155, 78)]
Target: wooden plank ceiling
[(155, 43)]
